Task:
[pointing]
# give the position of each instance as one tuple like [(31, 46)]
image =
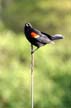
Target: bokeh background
[(52, 62)]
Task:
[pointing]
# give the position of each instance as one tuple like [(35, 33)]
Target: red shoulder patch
[(34, 35)]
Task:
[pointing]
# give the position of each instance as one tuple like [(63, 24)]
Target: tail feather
[(57, 37)]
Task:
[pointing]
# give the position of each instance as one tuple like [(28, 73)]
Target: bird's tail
[(57, 37)]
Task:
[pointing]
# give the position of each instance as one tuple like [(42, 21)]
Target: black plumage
[(38, 38)]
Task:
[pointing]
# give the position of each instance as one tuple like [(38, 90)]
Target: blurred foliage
[(52, 62)]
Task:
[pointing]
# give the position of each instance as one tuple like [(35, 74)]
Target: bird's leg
[(34, 50)]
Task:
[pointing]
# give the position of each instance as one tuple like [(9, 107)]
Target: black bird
[(37, 38)]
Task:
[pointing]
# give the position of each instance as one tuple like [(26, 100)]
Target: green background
[(52, 75)]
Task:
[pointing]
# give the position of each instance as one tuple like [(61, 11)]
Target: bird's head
[(28, 25)]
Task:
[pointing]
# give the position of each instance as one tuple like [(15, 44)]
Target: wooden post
[(32, 77)]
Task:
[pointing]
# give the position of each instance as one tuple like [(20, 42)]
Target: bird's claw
[(34, 50)]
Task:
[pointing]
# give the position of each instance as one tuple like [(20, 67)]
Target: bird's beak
[(26, 25)]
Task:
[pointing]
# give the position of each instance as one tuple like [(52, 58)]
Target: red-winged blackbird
[(37, 38)]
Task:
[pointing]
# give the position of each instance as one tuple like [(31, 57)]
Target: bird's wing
[(42, 38), (34, 35), (49, 36)]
